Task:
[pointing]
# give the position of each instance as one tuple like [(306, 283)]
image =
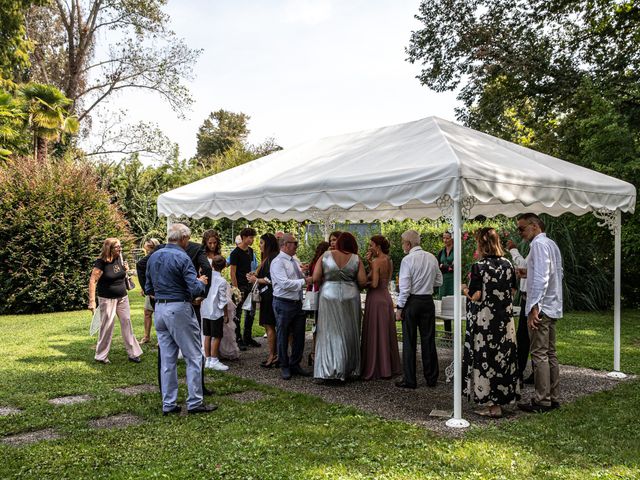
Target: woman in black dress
[(490, 356), (269, 250)]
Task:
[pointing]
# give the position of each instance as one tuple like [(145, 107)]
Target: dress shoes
[(175, 410), (135, 359), (203, 409), (252, 343), (106, 361), (534, 407), (298, 370), (285, 373), (554, 404), (242, 346), (403, 384)]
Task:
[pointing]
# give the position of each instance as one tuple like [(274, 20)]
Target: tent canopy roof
[(399, 172)]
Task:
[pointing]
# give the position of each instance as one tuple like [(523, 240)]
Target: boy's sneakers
[(218, 365)]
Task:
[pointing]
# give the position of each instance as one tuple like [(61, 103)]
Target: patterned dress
[(490, 356)]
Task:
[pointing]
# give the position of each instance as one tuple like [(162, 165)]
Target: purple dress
[(380, 357)]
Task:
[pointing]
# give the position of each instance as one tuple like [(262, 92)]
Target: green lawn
[(289, 435)]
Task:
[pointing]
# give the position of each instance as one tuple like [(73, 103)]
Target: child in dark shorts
[(213, 311)]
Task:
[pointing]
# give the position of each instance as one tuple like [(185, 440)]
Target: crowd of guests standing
[(194, 305)]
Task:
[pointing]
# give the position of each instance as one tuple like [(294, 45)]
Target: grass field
[(287, 435)]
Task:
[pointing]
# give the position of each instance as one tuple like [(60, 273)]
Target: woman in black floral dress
[(490, 357)]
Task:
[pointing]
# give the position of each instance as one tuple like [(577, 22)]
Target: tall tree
[(221, 131), (14, 45), (560, 76), (144, 53)]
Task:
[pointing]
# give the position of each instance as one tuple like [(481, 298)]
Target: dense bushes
[(55, 219)]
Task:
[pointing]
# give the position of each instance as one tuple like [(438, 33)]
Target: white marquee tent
[(428, 168)]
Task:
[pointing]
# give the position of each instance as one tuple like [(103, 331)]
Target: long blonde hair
[(489, 242)]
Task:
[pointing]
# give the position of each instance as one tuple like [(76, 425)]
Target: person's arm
[(362, 274), (404, 284), (437, 282), (96, 273), (317, 272), (222, 296), (375, 273), (195, 285), (279, 276), (518, 260)]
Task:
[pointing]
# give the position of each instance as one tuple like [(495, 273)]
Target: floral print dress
[(490, 360)]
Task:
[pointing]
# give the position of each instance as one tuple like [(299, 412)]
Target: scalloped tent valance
[(399, 172)]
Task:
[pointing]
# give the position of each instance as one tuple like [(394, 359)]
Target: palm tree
[(47, 111)]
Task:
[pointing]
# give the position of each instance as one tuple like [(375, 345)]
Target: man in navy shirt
[(172, 280)]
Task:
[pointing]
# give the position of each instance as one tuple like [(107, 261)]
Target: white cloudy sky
[(302, 69)]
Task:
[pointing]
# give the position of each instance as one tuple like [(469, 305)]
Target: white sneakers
[(215, 364)]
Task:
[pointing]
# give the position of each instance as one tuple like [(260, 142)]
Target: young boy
[(213, 310)]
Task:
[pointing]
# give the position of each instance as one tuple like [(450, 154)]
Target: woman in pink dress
[(380, 357)]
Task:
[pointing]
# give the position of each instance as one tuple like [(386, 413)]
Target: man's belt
[(286, 300), (170, 300)]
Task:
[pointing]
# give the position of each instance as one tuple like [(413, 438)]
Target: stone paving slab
[(70, 399), (248, 396), (121, 420), (137, 389), (31, 437), (5, 411)]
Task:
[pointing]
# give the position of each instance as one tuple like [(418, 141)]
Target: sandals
[(273, 363), (487, 412)]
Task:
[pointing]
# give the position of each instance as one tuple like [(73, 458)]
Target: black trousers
[(522, 337), (248, 317), (419, 314), (196, 308)]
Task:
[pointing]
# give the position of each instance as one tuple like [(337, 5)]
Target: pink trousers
[(109, 308)]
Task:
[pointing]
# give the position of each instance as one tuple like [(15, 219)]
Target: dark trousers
[(247, 335), (522, 337), (419, 314), (196, 309), (290, 319)]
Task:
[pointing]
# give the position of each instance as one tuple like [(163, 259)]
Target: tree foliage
[(221, 131), (55, 219), (559, 76), (142, 53)]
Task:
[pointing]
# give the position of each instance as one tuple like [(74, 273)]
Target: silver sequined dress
[(339, 316)]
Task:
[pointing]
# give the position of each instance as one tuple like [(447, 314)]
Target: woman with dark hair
[(108, 278), (490, 356), (445, 262), (380, 356), (341, 275), (211, 243), (269, 249), (314, 287), (333, 238)]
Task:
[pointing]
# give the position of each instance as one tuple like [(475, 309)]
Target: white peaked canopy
[(399, 172), (423, 169)]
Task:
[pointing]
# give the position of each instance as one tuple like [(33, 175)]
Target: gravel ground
[(383, 398)]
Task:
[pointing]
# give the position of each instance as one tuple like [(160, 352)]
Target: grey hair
[(412, 237), (177, 232)]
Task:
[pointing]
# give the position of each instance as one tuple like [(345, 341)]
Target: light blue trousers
[(177, 329)]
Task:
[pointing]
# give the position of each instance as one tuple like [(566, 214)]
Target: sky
[(301, 69)]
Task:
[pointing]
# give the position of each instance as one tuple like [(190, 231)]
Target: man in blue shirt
[(172, 280)]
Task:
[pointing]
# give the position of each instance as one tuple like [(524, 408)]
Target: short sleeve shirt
[(111, 283), (242, 260)]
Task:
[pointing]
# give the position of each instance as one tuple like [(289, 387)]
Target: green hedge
[(55, 219)]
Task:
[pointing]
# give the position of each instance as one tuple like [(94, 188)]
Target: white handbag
[(310, 302), (246, 305), (95, 322)]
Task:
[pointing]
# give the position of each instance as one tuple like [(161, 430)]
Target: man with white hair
[(172, 280), (419, 274)]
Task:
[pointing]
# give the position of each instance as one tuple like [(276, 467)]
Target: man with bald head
[(288, 284)]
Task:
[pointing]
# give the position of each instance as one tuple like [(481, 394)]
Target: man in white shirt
[(419, 274), (522, 334), (543, 309), (288, 285)]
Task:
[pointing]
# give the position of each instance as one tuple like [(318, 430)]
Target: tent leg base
[(617, 375), (457, 423)]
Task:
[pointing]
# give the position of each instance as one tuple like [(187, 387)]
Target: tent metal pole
[(616, 296), (457, 421)]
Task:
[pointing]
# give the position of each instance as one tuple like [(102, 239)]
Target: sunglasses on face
[(522, 229)]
